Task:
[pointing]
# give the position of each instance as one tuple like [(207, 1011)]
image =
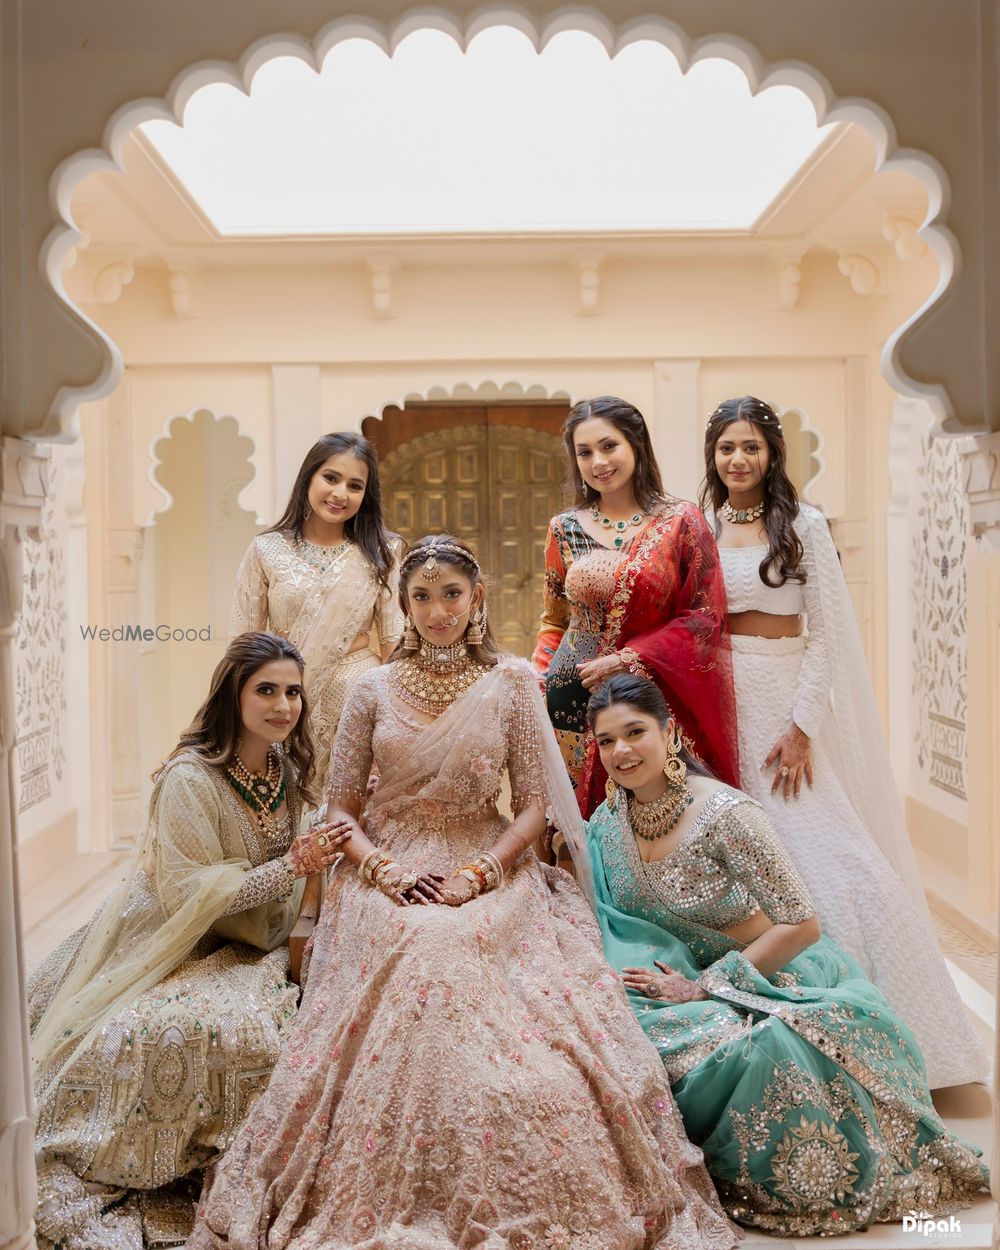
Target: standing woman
[(632, 583), (326, 576), (811, 745)]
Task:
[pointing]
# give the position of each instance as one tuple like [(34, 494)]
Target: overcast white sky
[(498, 138)]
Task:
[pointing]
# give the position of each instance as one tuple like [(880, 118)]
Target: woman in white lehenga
[(326, 577), (811, 745), (155, 1026), (465, 1070)]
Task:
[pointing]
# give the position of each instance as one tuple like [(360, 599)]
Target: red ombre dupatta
[(668, 615)]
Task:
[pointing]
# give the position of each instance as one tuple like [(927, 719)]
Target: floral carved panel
[(40, 671), (939, 618)]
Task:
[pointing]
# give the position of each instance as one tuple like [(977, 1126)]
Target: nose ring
[(450, 621)]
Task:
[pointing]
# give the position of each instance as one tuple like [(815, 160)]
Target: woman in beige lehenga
[(326, 576), (156, 1026), (465, 1069)]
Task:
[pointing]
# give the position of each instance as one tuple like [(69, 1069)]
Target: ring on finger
[(785, 770), (322, 840)]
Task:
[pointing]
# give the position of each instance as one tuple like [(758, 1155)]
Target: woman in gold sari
[(156, 1025), (326, 576)]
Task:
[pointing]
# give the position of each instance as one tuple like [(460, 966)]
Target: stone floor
[(73, 891)]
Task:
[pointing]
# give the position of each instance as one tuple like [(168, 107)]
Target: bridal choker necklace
[(654, 820), (742, 516), (434, 678)]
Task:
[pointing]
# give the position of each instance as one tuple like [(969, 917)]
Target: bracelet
[(370, 864), (492, 869), (475, 873), (381, 869)]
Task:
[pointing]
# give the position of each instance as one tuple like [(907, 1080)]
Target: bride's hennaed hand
[(792, 756), (427, 889), (457, 890), (671, 987)]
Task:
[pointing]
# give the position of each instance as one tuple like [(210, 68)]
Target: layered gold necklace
[(435, 677), (654, 820)]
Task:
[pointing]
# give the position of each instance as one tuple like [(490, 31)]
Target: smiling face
[(338, 487), (742, 457), (633, 747), (440, 609), (271, 703), (604, 455)]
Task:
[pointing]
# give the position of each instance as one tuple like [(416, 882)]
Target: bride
[(465, 1069)]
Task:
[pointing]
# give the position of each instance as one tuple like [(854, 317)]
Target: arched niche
[(614, 36), (193, 546)]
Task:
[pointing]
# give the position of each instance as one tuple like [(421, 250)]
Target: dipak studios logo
[(929, 1226)]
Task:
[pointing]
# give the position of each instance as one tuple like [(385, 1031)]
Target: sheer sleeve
[(267, 883), (388, 614), (555, 610), (351, 758), (250, 595), (742, 839), (525, 765), (812, 697)]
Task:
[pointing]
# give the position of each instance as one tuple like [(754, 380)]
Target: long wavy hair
[(366, 527), (214, 734), (781, 500), (642, 695), (463, 559), (647, 485)]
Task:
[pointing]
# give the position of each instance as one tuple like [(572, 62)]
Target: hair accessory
[(476, 632), (415, 553), (430, 571)]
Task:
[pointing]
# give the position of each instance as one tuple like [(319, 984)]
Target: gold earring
[(611, 794), (674, 768), (476, 631), (411, 639)]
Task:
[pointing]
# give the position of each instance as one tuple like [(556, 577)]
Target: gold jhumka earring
[(411, 639), (674, 768), (476, 632), (611, 794)]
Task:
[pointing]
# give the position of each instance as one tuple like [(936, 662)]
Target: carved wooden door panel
[(490, 475)]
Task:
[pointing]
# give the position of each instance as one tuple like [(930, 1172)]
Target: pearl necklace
[(619, 526), (263, 793), (433, 679), (654, 820), (742, 516)]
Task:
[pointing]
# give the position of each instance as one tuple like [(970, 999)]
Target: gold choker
[(654, 820), (435, 677)]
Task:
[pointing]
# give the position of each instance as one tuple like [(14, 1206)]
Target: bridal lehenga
[(467, 1076)]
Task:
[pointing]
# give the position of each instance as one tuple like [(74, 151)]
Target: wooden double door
[(490, 474)]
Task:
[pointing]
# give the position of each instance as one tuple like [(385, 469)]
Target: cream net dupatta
[(438, 766), (178, 882), (858, 747)]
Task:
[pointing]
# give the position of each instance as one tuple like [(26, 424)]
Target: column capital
[(24, 487), (981, 476)]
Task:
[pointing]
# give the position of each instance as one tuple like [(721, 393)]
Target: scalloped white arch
[(154, 462), (62, 418), (485, 390), (819, 455)]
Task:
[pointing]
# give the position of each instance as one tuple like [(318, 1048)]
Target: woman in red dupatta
[(632, 582)]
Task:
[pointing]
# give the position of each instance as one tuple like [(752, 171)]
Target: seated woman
[(806, 1092), (155, 1027), (464, 1070)]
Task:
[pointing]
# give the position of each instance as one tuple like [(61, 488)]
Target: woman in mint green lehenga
[(806, 1092)]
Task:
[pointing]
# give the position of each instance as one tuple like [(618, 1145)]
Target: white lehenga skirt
[(863, 905)]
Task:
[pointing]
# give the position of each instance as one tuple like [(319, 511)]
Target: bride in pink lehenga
[(465, 1070)]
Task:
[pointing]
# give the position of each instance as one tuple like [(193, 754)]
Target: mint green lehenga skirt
[(807, 1093)]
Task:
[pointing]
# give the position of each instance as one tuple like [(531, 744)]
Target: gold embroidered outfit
[(155, 1027), (322, 607)]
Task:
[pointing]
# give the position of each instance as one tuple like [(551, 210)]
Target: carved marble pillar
[(981, 463), (124, 547), (23, 487)]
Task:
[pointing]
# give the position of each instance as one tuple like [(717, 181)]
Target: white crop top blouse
[(745, 592)]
